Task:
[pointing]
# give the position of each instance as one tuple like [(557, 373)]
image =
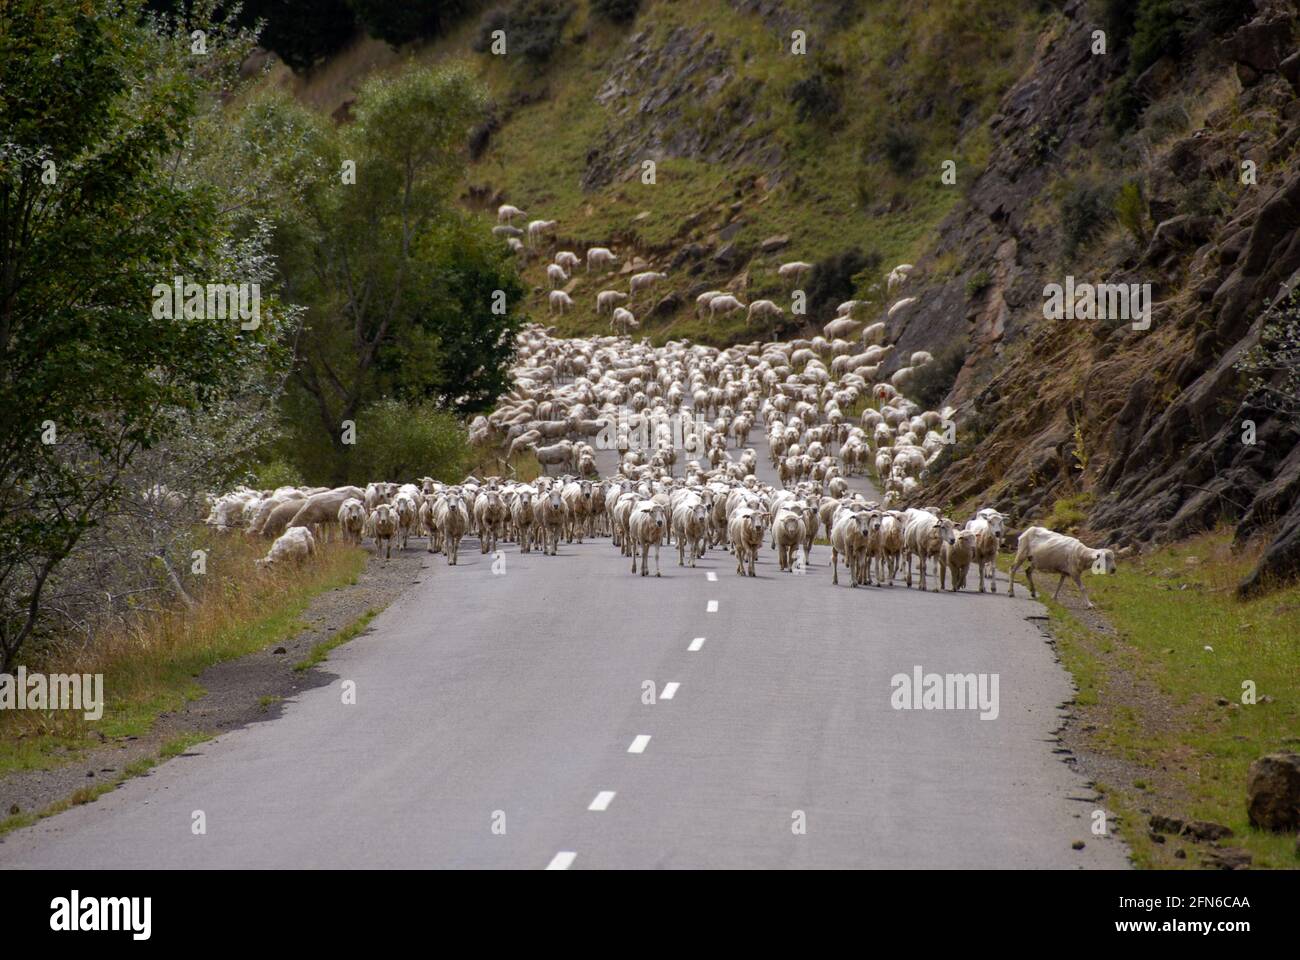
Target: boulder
[(1261, 44), (1273, 792)]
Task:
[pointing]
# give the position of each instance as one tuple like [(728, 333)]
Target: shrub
[(978, 283), (276, 473), (1085, 209), (616, 11), (1157, 31), (396, 439), (902, 147), (1163, 120), (1131, 210), (301, 32), (832, 279), (401, 21), (815, 98), (533, 28), (931, 383)]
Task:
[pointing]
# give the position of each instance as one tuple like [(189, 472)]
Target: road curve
[(508, 702)]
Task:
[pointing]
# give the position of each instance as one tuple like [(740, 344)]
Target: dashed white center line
[(670, 690), (712, 607), (601, 803), (695, 645), (639, 744), (713, 576), (562, 860)]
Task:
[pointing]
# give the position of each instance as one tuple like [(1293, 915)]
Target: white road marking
[(695, 645), (670, 690), (639, 744), (712, 575), (562, 860), (713, 606), (602, 800)]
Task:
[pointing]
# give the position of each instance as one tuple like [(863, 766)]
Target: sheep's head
[(1103, 561)]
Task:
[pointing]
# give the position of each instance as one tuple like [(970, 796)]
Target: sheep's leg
[(1059, 584), (634, 563), (1078, 581), (1029, 578), (657, 560)]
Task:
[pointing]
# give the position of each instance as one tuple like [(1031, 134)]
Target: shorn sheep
[(1049, 552)]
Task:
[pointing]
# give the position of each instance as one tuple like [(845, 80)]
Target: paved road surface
[(483, 699)]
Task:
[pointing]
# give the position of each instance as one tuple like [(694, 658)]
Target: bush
[(978, 283), (277, 473), (831, 282), (398, 440), (1157, 31), (815, 98), (902, 147), (1085, 209), (616, 11), (301, 32), (401, 21), (1131, 210), (931, 382), (533, 28)]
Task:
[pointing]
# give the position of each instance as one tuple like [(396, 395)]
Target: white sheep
[(352, 519), (607, 300), (295, 545), (623, 320), (1052, 552), (538, 229), (600, 257), (507, 212), (793, 271), (901, 305), (897, 277), (702, 301), (724, 303), (643, 281), (560, 301), (764, 308), (567, 259), (555, 273)]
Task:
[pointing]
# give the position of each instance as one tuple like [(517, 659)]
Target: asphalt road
[(493, 711)]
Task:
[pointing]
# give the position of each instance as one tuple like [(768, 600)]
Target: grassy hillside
[(839, 148)]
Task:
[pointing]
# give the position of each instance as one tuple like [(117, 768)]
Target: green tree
[(400, 286), (96, 106)]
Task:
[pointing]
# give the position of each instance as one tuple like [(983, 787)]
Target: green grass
[(137, 768), (1166, 609), (321, 650)]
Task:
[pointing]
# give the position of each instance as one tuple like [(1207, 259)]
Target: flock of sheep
[(679, 418)]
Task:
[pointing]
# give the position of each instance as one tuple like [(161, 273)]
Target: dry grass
[(150, 665)]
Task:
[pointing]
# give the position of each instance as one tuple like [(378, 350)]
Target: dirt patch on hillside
[(240, 692)]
